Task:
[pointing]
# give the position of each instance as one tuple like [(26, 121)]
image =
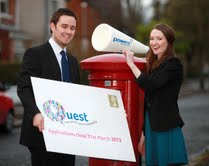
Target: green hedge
[(84, 77), (9, 72)]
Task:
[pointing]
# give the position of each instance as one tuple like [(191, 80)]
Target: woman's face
[(158, 42)]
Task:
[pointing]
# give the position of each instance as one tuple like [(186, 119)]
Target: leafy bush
[(9, 72)]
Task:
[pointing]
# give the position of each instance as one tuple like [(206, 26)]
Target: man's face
[(64, 31)]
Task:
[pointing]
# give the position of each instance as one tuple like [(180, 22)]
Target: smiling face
[(158, 42), (64, 30)]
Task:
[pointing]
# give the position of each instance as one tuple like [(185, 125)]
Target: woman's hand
[(129, 57), (130, 61), (141, 145)]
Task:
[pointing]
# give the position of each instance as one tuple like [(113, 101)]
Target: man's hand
[(38, 121)]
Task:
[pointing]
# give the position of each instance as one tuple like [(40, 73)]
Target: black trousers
[(40, 157)]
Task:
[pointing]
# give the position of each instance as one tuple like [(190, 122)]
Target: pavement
[(192, 86), (189, 87)]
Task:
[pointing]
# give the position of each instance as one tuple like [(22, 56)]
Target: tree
[(157, 9), (192, 18), (143, 32), (133, 16), (123, 15)]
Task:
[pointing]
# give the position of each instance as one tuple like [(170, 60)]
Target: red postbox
[(111, 71)]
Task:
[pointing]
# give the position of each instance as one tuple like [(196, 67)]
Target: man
[(46, 61)]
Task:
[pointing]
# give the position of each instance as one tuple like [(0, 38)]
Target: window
[(4, 7)]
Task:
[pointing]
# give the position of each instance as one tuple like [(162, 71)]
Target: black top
[(161, 87), (39, 62)]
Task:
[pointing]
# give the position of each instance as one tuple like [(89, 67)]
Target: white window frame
[(6, 13)]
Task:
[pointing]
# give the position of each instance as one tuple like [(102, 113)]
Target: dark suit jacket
[(38, 62), (161, 88)]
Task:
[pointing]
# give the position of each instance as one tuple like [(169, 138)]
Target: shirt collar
[(56, 48)]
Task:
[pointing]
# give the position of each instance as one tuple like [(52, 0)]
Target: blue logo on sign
[(77, 117), (56, 112), (122, 42)]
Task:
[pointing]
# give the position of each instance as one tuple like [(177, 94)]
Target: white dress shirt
[(57, 49)]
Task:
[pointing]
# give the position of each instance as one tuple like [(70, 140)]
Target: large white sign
[(83, 120)]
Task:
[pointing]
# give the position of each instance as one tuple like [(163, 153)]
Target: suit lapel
[(53, 61)]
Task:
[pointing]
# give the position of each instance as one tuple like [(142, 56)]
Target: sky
[(146, 2), (147, 9)]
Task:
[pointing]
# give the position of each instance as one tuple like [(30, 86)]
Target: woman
[(164, 144)]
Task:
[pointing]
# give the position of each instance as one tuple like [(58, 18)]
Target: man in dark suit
[(45, 61)]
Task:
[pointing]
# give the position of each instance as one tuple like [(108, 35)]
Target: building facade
[(24, 23)]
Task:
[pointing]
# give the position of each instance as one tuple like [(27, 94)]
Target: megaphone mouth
[(101, 37)]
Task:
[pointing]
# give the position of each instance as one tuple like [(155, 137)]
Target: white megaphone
[(106, 38)]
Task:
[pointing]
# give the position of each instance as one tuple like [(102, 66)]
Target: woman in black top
[(164, 144)]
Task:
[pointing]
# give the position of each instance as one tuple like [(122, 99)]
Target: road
[(194, 110), (13, 154)]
